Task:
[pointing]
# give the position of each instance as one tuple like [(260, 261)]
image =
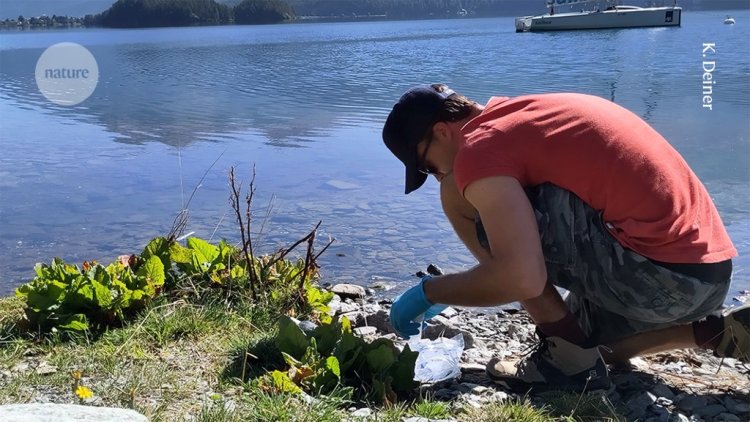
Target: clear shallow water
[(305, 103)]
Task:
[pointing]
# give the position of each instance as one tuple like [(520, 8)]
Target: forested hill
[(157, 13)]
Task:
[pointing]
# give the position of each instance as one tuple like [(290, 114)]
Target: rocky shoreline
[(686, 385)]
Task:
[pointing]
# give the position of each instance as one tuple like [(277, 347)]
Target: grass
[(196, 358), (582, 407)]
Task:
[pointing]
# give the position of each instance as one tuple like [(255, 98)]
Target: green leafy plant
[(66, 297), (331, 356)]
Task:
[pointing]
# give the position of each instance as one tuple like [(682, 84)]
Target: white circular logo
[(67, 73)]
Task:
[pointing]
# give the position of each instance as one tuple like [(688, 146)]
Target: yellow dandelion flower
[(84, 392)]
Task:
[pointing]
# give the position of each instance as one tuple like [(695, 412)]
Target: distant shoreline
[(12, 24)]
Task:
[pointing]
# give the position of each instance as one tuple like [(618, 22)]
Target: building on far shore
[(42, 22)]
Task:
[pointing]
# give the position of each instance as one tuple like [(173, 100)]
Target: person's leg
[(564, 358), (655, 341), (633, 306), (725, 333), (626, 302), (548, 310)]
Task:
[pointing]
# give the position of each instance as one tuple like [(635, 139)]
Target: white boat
[(611, 15), (729, 20)]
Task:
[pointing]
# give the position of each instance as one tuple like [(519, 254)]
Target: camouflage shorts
[(614, 292)]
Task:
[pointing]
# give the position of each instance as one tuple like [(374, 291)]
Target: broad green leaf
[(39, 269), (100, 274), (332, 364), (102, 295), (282, 383), (159, 247), (318, 299), (237, 272), (62, 272), (82, 296), (200, 263), (217, 266), (153, 271), (216, 278), (348, 351), (380, 355), (225, 251), (128, 277), (327, 335), (326, 297), (180, 254), (136, 295), (207, 250), (328, 376), (23, 291), (124, 299), (47, 297), (403, 370), (77, 322), (290, 338)]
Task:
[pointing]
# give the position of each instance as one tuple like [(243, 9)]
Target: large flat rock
[(50, 412)]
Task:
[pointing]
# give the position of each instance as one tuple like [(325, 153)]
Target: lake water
[(305, 104)]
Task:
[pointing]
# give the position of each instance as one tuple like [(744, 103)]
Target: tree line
[(158, 13)]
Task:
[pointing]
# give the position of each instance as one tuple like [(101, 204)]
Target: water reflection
[(156, 86)]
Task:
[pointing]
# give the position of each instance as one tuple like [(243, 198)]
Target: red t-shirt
[(608, 157)]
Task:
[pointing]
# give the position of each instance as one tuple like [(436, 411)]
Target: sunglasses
[(421, 166)]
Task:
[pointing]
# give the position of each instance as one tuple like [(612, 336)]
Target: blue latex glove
[(410, 308)]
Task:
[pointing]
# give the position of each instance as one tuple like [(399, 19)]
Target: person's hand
[(407, 307)]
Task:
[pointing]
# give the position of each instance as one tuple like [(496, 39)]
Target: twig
[(234, 200), (180, 222), (178, 225), (244, 365), (248, 220), (330, 242), (283, 254), (309, 258)]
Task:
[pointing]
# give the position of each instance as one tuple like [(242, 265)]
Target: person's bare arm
[(515, 269), (461, 215)]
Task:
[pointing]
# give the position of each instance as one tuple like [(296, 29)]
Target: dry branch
[(234, 200)]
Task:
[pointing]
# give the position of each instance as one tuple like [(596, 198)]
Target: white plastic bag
[(439, 359)]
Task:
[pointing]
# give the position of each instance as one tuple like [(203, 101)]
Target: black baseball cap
[(412, 116)]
